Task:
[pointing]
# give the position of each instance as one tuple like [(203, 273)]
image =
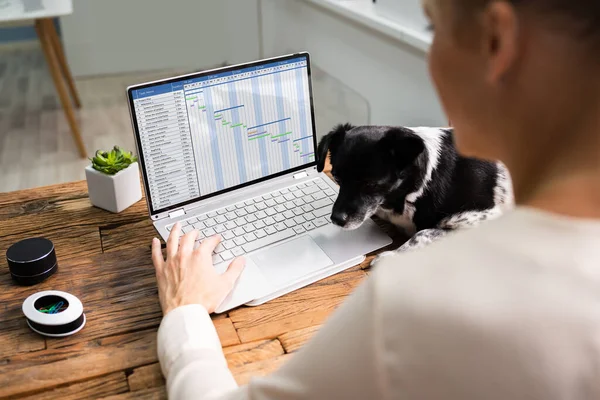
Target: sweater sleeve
[(341, 361), (190, 355)]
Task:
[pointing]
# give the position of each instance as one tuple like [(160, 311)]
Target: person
[(508, 310)]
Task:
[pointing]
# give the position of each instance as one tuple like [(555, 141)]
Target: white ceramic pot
[(114, 192)]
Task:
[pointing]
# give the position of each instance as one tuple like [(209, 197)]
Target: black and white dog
[(413, 177)]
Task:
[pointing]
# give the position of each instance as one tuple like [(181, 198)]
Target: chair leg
[(54, 67), (62, 60)]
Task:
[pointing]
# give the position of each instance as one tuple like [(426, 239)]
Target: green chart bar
[(236, 125), (283, 134)]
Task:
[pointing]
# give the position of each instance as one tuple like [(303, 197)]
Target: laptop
[(232, 151)]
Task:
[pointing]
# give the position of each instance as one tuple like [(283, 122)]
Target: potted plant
[(113, 180)]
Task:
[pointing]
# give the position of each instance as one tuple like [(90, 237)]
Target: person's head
[(518, 78)]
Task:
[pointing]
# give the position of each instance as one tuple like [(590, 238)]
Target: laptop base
[(308, 280)]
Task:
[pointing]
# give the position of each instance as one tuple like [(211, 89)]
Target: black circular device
[(31, 261)]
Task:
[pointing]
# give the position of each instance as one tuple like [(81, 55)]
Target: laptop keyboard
[(264, 220)]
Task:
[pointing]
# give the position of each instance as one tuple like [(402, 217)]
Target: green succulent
[(112, 162)]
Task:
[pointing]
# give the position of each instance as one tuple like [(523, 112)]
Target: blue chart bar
[(230, 108), (269, 123), (302, 138), (306, 155)]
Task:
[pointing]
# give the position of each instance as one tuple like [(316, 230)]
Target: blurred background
[(369, 67)]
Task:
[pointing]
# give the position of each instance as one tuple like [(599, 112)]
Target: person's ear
[(500, 33), (330, 142), (402, 147)]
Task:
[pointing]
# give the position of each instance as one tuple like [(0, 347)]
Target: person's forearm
[(190, 355), (339, 362)]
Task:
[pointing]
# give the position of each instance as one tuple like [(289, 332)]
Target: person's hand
[(188, 275)]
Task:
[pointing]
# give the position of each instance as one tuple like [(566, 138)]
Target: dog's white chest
[(403, 221)]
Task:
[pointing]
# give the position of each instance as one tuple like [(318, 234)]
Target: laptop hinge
[(300, 175), (177, 213)]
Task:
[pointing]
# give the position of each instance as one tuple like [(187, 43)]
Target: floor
[(36, 147)]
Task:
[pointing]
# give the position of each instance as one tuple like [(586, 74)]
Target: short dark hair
[(582, 17)]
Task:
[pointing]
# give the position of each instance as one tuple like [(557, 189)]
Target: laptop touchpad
[(291, 261)]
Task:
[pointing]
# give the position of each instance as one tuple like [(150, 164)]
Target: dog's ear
[(331, 141), (403, 146)]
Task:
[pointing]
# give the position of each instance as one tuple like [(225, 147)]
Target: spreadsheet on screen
[(203, 135)]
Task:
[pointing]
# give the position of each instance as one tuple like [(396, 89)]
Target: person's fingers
[(173, 241), (157, 257), (234, 271), (208, 245), (186, 246)]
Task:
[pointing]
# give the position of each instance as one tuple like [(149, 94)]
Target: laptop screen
[(205, 134)]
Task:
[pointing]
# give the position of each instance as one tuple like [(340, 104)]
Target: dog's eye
[(372, 186)]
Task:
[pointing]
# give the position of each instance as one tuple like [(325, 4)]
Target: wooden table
[(104, 259)]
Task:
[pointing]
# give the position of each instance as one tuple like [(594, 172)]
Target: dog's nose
[(339, 218)]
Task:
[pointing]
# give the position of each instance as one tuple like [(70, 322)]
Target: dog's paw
[(381, 256)]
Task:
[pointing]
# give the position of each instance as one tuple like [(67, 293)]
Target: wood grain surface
[(104, 259)]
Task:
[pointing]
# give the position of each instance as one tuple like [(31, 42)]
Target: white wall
[(392, 76), (115, 36), (407, 12)]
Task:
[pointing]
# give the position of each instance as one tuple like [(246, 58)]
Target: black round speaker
[(31, 261)]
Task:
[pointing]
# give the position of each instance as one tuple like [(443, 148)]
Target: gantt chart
[(206, 134)]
